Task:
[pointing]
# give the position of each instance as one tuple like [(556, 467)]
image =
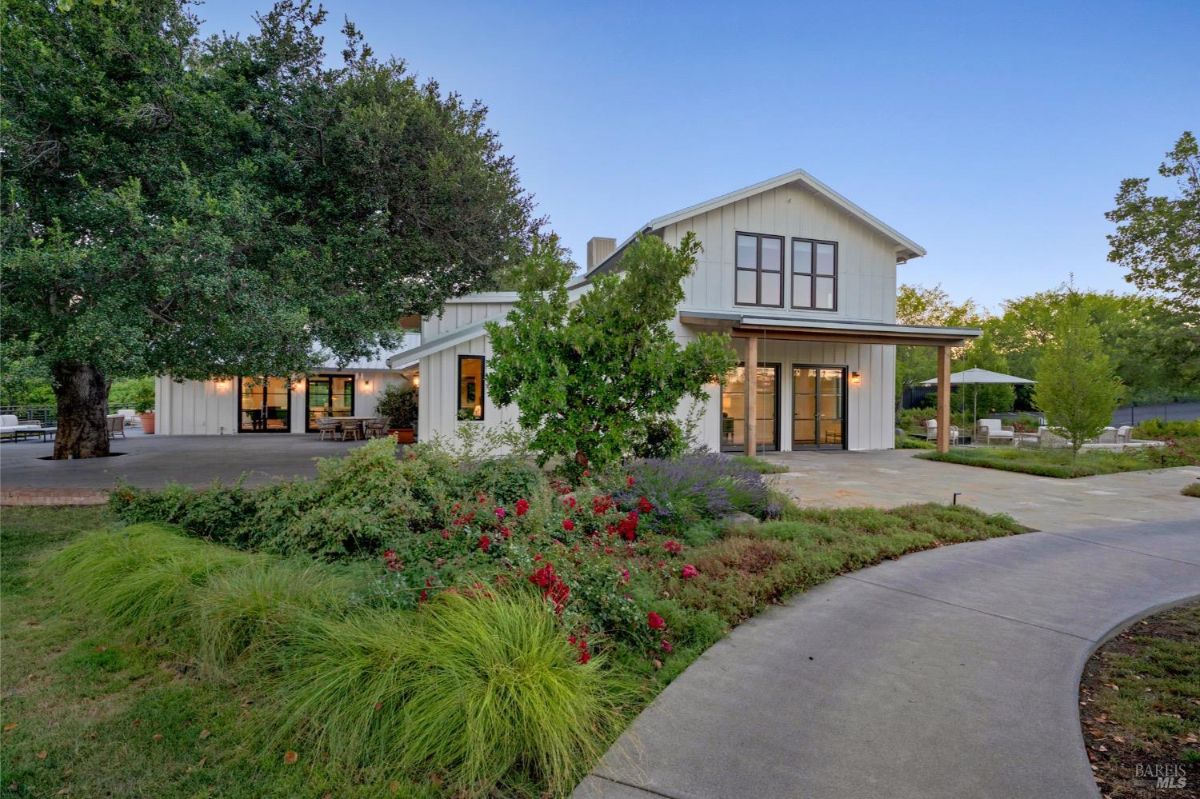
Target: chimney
[(598, 249)]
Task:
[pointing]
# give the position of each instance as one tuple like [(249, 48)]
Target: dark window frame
[(265, 383), (845, 403), (811, 275), (758, 269), (482, 400), (777, 438), (308, 398)]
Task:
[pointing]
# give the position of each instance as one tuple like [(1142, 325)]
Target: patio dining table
[(357, 421)]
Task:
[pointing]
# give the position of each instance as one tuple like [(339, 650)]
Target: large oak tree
[(228, 206)]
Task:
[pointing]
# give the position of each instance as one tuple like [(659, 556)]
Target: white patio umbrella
[(980, 377)]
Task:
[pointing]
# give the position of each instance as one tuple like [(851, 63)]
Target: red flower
[(522, 507), (688, 572), (655, 621), (389, 554), (504, 531), (629, 481), (673, 546), (666, 646), (501, 513), (601, 505), (484, 543), (568, 525), (424, 596), (644, 505), (587, 473), (625, 575), (446, 534), (569, 502), (627, 527)]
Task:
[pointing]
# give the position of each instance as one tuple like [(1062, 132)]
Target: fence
[(46, 414)]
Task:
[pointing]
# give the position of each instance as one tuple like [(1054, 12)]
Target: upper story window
[(470, 387), (814, 274), (759, 273)]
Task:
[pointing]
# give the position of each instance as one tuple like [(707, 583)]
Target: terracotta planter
[(147, 422), (403, 435)]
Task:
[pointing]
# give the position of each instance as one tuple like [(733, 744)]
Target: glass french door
[(264, 405), (329, 395), (818, 407), (733, 410)]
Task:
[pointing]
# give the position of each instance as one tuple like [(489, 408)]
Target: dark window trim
[(308, 388), (266, 429), (812, 275), (778, 367), (758, 270), (845, 404), (482, 389)]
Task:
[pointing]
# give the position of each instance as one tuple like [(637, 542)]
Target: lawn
[(1060, 463), (488, 640), (1140, 704)]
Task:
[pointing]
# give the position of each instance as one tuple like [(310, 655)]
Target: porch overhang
[(829, 330)]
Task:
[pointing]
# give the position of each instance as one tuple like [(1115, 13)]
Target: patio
[(154, 461)]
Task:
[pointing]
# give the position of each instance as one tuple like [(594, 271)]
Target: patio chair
[(1124, 434), (994, 429), (1048, 437), (1107, 436), (327, 425), (116, 425), (14, 428), (351, 430), (931, 431), (377, 427)]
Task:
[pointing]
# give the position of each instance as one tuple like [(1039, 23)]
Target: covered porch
[(819, 383)]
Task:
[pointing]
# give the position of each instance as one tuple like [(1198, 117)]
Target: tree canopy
[(228, 206), (593, 377)]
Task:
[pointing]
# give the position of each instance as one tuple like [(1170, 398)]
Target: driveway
[(894, 477), (948, 673), (154, 461)]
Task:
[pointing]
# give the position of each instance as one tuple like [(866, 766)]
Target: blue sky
[(993, 134)]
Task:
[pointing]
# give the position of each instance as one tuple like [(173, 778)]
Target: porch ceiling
[(834, 330)]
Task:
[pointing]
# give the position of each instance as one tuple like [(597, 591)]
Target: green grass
[(758, 464), (1059, 463), (1191, 490)]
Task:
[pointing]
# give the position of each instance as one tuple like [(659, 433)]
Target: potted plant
[(136, 393), (399, 405), (145, 411)]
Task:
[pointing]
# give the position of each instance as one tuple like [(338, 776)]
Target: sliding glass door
[(818, 407), (264, 405), (329, 395), (733, 410)]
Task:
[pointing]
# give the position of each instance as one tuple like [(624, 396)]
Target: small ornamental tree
[(1075, 382), (593, 377)]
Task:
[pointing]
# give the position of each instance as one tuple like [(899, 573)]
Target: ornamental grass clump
[(476, 689), (142, 578)]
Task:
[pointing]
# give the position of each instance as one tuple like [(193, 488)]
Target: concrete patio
[(894, 477), (155, 461)]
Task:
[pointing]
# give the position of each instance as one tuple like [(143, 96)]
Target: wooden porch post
[(943, 399), (751, 396)]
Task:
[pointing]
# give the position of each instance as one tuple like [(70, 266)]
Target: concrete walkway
[(948, 673)]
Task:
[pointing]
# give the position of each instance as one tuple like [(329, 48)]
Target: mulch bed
[(1127, 762)]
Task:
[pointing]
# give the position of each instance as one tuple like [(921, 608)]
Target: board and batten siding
[(465, 312), (866, 259), (209, 407), (439, 392)]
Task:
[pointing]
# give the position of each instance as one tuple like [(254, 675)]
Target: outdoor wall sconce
[(223, 384), (416, 381), (366, 382), (855, 379)]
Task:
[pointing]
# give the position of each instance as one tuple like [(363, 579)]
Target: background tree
[(1158, 237), (593, 378), (1076, 386), (227, 206), (918, 305)]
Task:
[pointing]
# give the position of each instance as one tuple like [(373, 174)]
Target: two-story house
[(802, 278)]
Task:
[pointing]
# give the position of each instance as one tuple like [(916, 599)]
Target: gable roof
[(906, 248)]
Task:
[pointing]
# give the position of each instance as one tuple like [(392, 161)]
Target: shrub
[(1160, 430), (506, 479), (399, 405), (695, 487), (662, 438), (475, 689), (1191, 490), (141, 578)]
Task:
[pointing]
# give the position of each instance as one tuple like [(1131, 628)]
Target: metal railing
[(47, 415)]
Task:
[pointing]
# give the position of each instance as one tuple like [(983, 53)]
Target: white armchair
[(1124, 434), (993, 430), (931, 427), (1108, 436), (1047, 437)]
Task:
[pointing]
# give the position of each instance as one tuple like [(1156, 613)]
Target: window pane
[(802, 291), (747, 252), (470, 387), (772, 255), (824, 292), (801, 257), (770, 288), (825, 264), (746, 281)]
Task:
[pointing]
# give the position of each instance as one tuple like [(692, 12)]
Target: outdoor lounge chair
[(1124, 434), (990, 430), (377, 427), (14, 428), (1047, 437), (1107, 436), (116, 425), (931, 431)]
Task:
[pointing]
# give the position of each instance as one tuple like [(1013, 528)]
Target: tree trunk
[(82, 396)]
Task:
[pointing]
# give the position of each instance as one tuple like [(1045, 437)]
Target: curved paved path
[(949, 673)]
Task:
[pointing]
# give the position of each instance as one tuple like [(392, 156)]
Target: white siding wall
[(439, 392), (866, 260), (209, 407), (461, 313)]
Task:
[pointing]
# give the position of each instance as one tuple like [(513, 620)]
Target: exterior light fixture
[(416, 381), (855, 378)]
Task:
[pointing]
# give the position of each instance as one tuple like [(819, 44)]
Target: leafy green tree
[(227, 206), (1158, 237), (595, 377), (918, 305), (1076, 386)]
